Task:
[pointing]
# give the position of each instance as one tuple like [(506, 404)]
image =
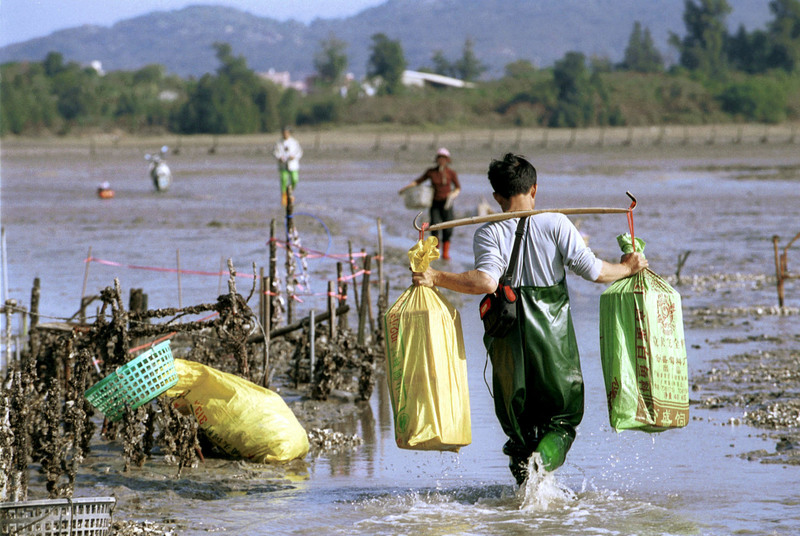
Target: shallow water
[(723, 204)]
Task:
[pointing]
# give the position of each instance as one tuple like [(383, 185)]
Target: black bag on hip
[(499, 309)]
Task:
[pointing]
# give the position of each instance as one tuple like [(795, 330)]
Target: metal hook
[(633, 200), (416, 225)]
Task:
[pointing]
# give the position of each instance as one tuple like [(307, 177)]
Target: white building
[(419, 79)]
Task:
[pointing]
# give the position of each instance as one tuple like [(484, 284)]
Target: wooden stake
[(291, 278), (262, 299), (332, 310), (366, 294), (35, 294), (364, 306), (341, 293), (273, 276), (267, 327), (352, 271), (778, 270), (86, 274)]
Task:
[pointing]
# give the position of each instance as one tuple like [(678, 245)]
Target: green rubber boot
[(553, 448)]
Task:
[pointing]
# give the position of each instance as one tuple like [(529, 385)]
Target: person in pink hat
[(445, 189)]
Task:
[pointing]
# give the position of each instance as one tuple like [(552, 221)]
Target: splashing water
[(541, 490)]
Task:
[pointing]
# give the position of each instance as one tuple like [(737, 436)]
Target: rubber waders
[(553, 449), (536, 378)]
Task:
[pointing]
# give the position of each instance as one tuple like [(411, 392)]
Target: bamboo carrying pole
[(500, 216), (524, 213)]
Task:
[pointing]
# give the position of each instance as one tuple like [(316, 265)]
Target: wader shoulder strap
[(512, 263)]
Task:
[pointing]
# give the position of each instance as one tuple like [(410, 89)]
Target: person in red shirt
[(445, 189)]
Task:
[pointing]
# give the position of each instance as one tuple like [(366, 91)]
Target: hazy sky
[(21, 20)]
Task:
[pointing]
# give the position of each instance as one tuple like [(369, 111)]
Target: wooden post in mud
[(778, 270), (274, 320), (341, 294), (364, 306), (137, 303), (262, 298), (267, 327), (35, 293), (332, 310), (8, 309), (291, 280), (782, 265), (366, 294), (353, 271)]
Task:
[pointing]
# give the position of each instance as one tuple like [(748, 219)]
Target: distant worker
[(445, 189), (288, 153), (538, 386)]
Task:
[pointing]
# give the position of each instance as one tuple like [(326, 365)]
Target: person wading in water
[(536, 373), (445, 189)]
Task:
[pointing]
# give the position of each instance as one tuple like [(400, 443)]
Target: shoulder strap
[(512, 263)]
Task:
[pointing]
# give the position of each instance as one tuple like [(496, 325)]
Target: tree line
[(719, 77)]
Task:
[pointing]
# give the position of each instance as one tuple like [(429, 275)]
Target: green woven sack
[(643, 351)]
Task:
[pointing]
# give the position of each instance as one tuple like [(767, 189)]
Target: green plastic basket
[(135, 383)]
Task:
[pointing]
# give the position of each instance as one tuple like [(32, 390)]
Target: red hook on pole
[(630, 218), (422, 228)]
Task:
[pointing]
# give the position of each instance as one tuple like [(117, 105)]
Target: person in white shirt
[(536, 374), (287, 152)]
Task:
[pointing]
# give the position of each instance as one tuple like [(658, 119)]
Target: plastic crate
[(57, 517), (135, 383)]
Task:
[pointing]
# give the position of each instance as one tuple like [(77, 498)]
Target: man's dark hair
[(513, 175)]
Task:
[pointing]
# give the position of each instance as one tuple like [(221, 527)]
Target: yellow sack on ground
[(427, 366), (243, 419)]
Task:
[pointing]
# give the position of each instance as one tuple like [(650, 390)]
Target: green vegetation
[(720, 77)]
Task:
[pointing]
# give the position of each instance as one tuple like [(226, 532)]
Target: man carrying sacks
[(538, 385)]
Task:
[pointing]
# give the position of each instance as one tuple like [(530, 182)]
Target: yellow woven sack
[(426, 365), (243, 419)]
